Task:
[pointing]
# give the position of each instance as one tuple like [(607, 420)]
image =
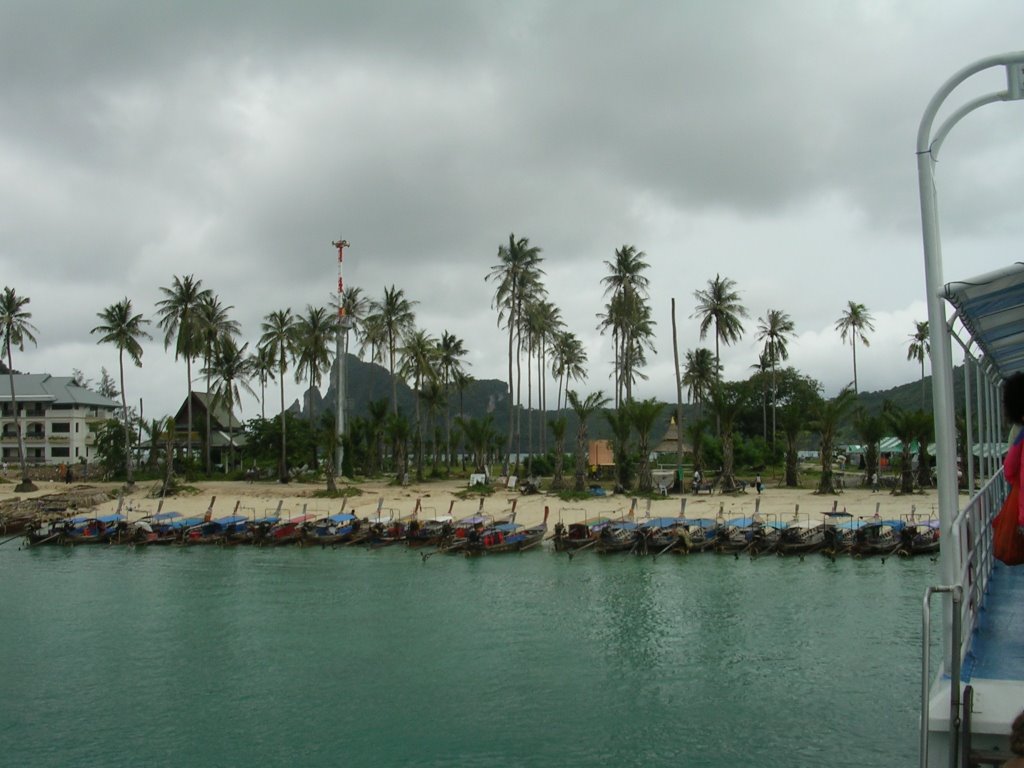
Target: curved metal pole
[(941, 352)]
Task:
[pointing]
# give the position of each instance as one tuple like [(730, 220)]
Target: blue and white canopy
[(991, 308)]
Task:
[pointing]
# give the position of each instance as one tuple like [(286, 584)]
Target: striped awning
[(991, 307)]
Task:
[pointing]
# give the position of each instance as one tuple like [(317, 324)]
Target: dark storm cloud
[(769, 141)]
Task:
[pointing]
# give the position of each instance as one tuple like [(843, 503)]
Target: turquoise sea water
[(307, 657)]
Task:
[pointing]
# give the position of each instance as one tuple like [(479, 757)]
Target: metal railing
[(970, 538)]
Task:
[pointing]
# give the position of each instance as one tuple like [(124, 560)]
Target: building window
[(60, 427), (60, 452), (76, 427)]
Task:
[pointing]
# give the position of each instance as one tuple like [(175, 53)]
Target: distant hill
[(369, 381)]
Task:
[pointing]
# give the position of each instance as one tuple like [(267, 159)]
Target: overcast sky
[(770, 142)]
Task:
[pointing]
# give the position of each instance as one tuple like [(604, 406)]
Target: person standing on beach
[(758, 484)]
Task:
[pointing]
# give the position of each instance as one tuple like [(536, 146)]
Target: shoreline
[(438, 497)]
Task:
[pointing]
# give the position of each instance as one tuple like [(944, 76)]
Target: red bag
[(1007, 541)]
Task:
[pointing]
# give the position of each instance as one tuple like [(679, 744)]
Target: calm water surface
[(258, 657)]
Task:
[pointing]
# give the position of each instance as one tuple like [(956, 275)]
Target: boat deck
[(994, 665), (997, 648)]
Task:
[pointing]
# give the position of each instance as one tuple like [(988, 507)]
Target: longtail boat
[(919, 538), (333, 529), (506, 537), (580, 534), (286, 531)]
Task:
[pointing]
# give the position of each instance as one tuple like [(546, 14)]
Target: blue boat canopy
[(341, 517), (661, 522), (991, 308)]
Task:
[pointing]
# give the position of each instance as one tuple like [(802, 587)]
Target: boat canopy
[(233, 519), (991, 308), (163, 517), (508, 527), (661, 522), (341, 517), (700, 522)]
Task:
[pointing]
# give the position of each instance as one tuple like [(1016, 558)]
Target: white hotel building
[(56, 415)]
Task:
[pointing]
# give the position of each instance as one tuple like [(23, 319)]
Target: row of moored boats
[(836, 534)]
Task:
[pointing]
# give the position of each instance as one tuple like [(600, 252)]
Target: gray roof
[(58, 390)]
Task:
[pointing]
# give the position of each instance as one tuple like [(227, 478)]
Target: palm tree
[(314, 338), (418, 355), (719, 305), (378, 416), (450, 353), (828, 417), (124, 330), (263, 363), (230, 369), (727, 401), (389, 321), (853, 322), (627, 315), (905, 427), (214, 324), (870, 430), (517, 274), (644, 414), (568, 361), (774, 330), (479, 433), (279, 334), (398, 430), (558, 426), (697, 431), (16, 329), (792, 421), (620, 422), (583, 409), (919, 348), (700, 373), (433, 396), (178, 318)]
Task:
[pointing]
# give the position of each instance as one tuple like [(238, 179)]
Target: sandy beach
[(439, 498)]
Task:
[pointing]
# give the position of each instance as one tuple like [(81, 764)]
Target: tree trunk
[(679, 404), (26, 484), (127, 429)]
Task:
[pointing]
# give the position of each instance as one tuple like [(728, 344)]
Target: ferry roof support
[(928, 145)]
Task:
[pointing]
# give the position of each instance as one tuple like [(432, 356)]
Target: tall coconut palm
[(774, 330), (853, 322), (178, 318), (16, 330), (719, 306), (451, 351), (263, 363), (583, 409), (214, 325), (627, 315), (700, 373), (122, 328), (314, 341), (230, 369), (517, 275), (558, 427), (418, 357), (568, 361), (919, 348), (388, 322), (279, 334)]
